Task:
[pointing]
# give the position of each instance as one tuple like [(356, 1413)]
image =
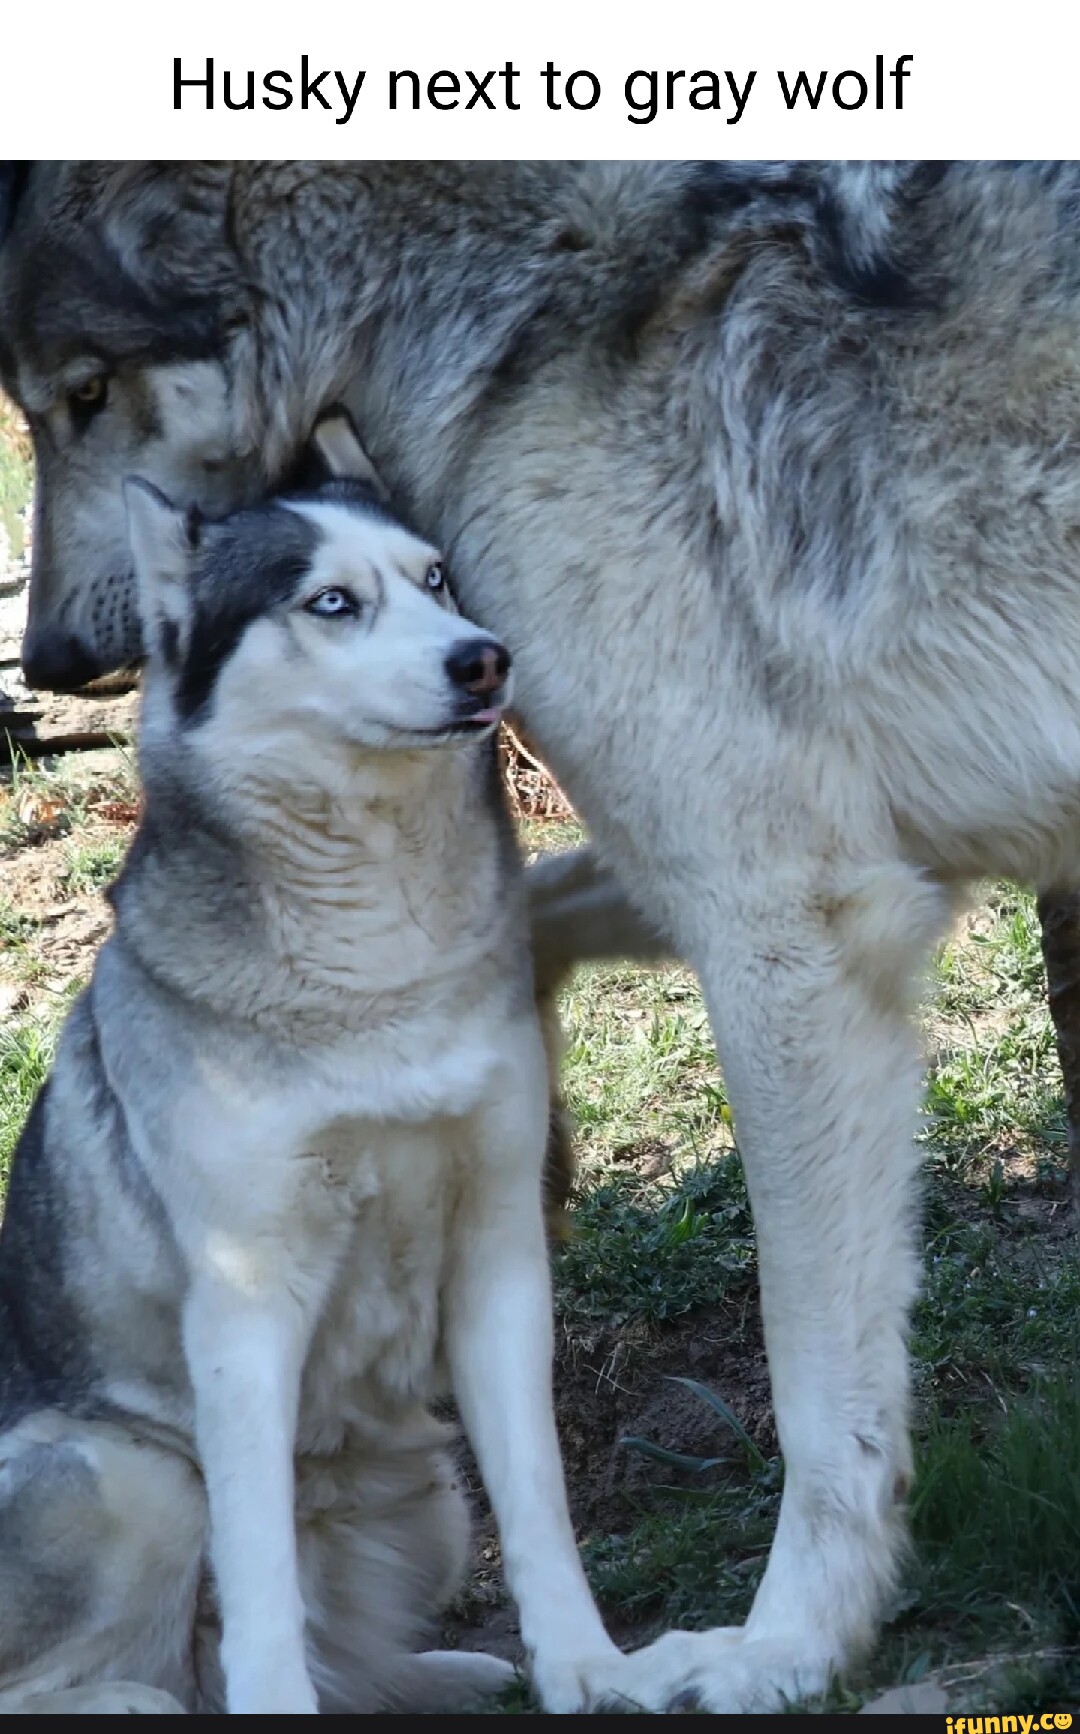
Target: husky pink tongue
[(492, 714)]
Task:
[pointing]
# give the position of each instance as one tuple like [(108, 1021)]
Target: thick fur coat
[(770, 478)]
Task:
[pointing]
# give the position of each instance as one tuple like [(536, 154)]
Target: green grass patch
[(26, 1050), (18, 933), (694, 1559), (640, 1068), (16, 476), (998, 1310), (93, 863), (995, 1086), (996, 1519), (656, 1250)]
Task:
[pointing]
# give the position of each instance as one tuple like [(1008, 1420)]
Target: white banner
[(127, 78)]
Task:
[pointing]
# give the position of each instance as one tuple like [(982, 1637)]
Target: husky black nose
[(57, 664), (478, 665)]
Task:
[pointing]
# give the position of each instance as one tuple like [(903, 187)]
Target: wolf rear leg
[(809, 997), (101, 1545), (578, 913)]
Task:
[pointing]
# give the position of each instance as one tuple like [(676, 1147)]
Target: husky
[(284, 1181), (769, 478)]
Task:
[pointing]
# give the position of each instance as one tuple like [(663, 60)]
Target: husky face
[(316, 618)]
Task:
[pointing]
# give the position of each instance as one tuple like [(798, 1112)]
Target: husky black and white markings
[(284, 1183), (770, 480)]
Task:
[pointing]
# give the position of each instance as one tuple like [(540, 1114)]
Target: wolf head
[(188, 321), (313, 629), (118, 294)]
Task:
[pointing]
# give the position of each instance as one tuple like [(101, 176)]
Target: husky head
[(310, 629), (118, 295)]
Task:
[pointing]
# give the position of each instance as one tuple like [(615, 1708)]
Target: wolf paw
[(721, 1671), (724, 1672)]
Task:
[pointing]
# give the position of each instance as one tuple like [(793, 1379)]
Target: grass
[(69, 812), (654, 1251), (26, 1050), (995, 1087), (15, 475), (93, 864), (18, 948), (662, 1258)]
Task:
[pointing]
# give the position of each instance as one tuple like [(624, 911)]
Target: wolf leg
[(101, 1547), (809, 1000), (579, 913)]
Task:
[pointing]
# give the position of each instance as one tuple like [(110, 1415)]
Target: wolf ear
[(163, 541), (337, 443)]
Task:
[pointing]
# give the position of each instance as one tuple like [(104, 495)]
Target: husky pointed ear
[(338, 444), (163, 541)]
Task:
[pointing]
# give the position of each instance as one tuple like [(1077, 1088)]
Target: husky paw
[(275, 1692), (106, 1698), (606, 1680)]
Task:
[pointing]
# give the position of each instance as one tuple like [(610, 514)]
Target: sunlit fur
[(283, 1187), (769, 477)]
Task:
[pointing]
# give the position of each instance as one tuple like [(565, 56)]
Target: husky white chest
[(372, 1231)]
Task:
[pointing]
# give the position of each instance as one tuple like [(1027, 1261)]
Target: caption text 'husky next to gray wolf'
[(770, 480)]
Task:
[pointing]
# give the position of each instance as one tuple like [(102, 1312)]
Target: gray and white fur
[(283, 1185), (769, 477)]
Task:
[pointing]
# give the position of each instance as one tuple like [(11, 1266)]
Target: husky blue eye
[(435, 578), (333, 604)]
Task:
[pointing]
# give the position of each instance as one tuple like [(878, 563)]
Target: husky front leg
[(500, 1342), (245, 1342)]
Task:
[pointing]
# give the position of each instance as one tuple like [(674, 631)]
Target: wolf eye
[(333, 604), (89, 398), (435, 577)]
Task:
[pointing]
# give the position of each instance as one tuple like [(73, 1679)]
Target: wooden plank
[(57, 723)]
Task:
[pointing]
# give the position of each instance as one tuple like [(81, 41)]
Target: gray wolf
[(769, 478), (285, 1178)]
